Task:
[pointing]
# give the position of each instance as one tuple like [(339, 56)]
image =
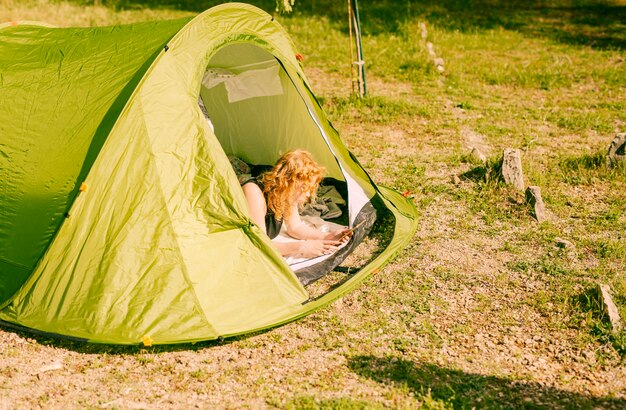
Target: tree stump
[(478, 156), (533, 198), (617, 149), (512, 168)]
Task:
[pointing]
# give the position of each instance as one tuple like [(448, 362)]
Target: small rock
[(533, 198), (477, 155), (589, 356), (50, 367), (424, 31), (512, 168), (455, 179), (430, 48), (567, 246), (439, 61), (564, 244), (617, 149), (608, 306)]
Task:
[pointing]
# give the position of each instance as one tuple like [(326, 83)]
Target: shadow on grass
[(488, 172), (467, 390), (595, 23)]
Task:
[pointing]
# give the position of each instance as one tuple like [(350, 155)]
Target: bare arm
[(314, 242), (288, 248), (256, 203), (316, 245), (258, 210), (298, 229)]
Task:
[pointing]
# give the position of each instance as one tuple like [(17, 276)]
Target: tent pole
[(351, 47), (359, 49)]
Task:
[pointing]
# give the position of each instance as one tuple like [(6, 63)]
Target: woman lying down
[(276, 196)]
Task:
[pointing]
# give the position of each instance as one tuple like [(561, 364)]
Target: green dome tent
[(122, 219)]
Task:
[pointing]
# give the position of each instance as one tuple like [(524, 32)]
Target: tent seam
[(183, 264)]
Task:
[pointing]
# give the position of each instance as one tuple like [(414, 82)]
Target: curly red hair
[(295, 177)]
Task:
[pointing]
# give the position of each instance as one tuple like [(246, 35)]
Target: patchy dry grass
[(482, 309)]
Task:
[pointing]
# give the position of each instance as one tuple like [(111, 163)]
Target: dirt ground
[(447, 321)]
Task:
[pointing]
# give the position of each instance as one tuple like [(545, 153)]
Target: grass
[(483, 309), (344, 403)]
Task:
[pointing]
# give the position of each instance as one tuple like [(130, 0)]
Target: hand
[(342, 235), (312, 248)]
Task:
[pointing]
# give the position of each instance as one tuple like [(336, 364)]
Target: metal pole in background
[(360, 63), (351, 62)]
